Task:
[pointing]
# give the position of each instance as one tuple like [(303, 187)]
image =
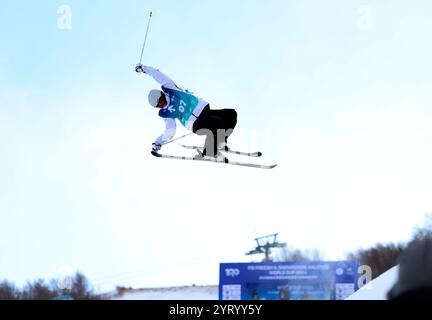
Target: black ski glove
[(139, 68), (156, 147)]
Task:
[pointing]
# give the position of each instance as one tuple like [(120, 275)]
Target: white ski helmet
[(154, 97)]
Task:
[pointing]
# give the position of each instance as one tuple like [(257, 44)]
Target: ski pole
[(177, 138), (145, 39)]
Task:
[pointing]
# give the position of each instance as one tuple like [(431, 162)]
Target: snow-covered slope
[(375, 290), (174, 293), (378, 288)]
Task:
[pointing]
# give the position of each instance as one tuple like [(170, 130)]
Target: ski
[(233, 163), (240, 153)]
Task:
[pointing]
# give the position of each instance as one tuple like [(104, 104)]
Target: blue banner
[(288, 280)]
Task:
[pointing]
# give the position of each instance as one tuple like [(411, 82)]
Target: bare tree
[(38, 291), (81, 288), (8, 291), (379, 258), (425, 231)]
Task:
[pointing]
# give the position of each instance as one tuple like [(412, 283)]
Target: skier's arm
[(160, 78), (169, 132)]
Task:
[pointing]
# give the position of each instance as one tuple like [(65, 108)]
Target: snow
[(374, 290), (377, 289), (174, 293)]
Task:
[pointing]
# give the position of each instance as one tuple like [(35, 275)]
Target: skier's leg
[(230, 118), (208, 126), (232, 114), (230, 122), (214, 123)]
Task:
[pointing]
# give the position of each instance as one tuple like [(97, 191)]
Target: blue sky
[(343, 107)]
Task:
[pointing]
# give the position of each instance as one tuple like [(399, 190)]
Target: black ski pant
[(216, 125)]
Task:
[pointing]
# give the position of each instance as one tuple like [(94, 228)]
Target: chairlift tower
[(265, 244)]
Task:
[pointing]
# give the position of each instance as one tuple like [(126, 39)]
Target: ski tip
[(259, 154), (271, 167), (157, 155)]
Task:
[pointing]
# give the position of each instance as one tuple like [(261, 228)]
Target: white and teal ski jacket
[(181, 105)]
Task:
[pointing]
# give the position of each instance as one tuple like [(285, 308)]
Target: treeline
[(74, 288), (380, 257)]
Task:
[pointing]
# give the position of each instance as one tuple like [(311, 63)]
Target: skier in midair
[(193, 113)]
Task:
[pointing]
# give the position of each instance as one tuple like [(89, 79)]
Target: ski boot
[(219, 157)]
